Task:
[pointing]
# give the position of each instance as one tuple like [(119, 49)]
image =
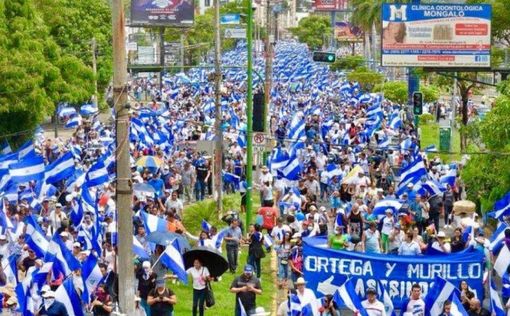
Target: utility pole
[(123, 188), (218, 132), (182, 52), (161, 59), (249, 114), (269, 63), (94, 70)]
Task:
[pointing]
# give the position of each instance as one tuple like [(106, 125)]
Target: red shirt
[(269, 216)]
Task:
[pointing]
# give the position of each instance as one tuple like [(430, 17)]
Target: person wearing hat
[(440, 244), (305, 295), (161, 300), (51, 307), (57, 217), (246, 287), (265, 181), (372, 305), (146, 283)]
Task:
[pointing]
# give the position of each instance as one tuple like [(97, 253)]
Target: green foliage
[(487, 177), (395, 91), (430, 93), (366, 78), (311, 31), (500, 27), (73, 24), (348, 63), (35, 73), (495, 128), (426, 118)]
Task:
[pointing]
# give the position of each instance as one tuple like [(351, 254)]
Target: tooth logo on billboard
[(398, 14)]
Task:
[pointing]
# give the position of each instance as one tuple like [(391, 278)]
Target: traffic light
[(324, 57), (417, 103)]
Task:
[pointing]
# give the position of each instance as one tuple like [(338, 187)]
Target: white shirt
[(374, 309), (199, 277), (307, 297), (268, 177), (409, 249), (447, 247), (415, 308), (387, 225)]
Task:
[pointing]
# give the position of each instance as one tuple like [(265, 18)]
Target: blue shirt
[(158, 185)]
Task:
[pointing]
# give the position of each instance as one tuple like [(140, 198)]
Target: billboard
[(436, 35), (346, 32), (330, 5), (229, 19), (178, 13)]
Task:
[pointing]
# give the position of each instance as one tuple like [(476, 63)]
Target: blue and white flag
[(346, 296), (501, 207), (457, 309), (412, 173), (88, 109), (153, 223), (62, 258), (10, 269), (294, 305), (385, 298), (297, 129), (29, 169), (173, 260), (5, 148), (388, 203), (332, 171), (279, 158), (497, 238), (60, 169), (66, 294), (292, 170), (91, 275), (395, 122), (139, 250), (441, 291), (432, 187), (73, 121), (383, 142), (97, 174), (206, 226), (503, 261), (241, 308), (497, 308), (27, 149), (449, 177), (35, 237), (268, 241)]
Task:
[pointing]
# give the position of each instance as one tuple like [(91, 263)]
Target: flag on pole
[(173, 260)]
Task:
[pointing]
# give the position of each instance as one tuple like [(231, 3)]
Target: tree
[(487, 176), (396, 91), (73, 24), (366, 78), (348, 63), (34, 72), (311, 30)]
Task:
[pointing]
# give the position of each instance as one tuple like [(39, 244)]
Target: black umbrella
[(213, 260)]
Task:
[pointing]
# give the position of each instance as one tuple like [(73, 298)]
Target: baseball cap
[(77, 244), (248, 268)]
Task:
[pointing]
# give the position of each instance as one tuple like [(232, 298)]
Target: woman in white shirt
[(200, 276)]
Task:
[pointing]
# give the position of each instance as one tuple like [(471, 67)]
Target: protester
[(246, 287), (415, 304), (161, 299), (255, 250), (51, 307), (146, 283), (372, 306), (102, 303), (233, 238), (200, 276)]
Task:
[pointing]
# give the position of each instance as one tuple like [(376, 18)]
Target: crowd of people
[(341, 168)]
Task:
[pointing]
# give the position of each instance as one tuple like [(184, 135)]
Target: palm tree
[(367, 16)]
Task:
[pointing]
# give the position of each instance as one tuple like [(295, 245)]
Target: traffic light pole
[(249, 114), (413, 85)]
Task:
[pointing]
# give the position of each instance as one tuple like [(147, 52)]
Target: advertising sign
[(146, 55), (436, 35), (178, 13), (346, 32), (227, 19), (326, 269), (330, 5), (235, 33)]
